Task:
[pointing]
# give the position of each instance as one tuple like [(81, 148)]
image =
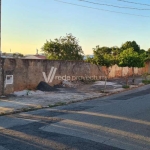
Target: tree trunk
[(133, 80), (106, 78), (127, 79), (105, 84)]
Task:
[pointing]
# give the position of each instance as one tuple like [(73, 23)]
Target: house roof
[(35, 57), (40, 56)]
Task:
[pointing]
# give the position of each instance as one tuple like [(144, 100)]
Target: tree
[(130, 58), (102, 50), (130, 44), (115, 50), (89, 59), (17, 55), (142, 51), (148, 55), (103, 56), (64, 48)]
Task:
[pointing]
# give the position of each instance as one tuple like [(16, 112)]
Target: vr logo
[(51, 75)]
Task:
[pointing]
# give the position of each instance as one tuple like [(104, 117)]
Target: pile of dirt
[(43, 86), (59, 86)]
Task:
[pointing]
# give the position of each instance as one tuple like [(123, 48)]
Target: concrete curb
[(27, 109)]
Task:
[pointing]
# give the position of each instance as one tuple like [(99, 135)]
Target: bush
[(125, 86), (146, 81)]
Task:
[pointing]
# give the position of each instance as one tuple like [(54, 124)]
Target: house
[(35, 57)]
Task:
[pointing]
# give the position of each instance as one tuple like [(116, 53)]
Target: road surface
[(116, 122)]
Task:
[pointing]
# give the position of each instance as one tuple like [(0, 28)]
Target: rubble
[(43, 86), (66, 83), (27, 93)]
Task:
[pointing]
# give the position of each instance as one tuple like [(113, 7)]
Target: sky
[(27, 24)]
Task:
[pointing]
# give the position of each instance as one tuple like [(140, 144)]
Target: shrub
[(146, 81), (125, 86)]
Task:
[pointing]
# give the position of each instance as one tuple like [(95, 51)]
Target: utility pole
[(1, 69), (0, 30)]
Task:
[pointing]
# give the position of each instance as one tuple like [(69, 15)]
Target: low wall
[(28, 73)]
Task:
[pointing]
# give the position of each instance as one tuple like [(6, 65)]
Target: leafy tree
[(115, 50), (64, 48), (102, 50), (17, 55), (106, 60), (103, 56), (130, 58), (130, 44), (89, 59), (142, 51), (148, 55)]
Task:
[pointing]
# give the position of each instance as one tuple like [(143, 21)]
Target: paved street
[(29, 99), (116, 122)]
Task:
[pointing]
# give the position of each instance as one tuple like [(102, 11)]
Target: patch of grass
[(2, 114), (125, 86), (146, 76), (30, 108), (50, 106), (146, 81), (57, 104), (27, 109), (103, 91), (88, 81)]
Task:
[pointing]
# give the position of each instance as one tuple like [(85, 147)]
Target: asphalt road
[(115, 122)]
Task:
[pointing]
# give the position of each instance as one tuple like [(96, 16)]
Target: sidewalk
[(14, 104)]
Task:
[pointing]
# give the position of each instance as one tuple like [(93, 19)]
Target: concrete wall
[(28, 73)]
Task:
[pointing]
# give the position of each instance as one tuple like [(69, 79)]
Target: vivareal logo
[(50, 77)]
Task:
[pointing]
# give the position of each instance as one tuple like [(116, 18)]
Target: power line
[(101, 9), (134, 2), (114, 5)]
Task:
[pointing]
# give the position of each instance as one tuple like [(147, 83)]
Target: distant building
[(7, 55), (21, 56), (12, 55), (35, 57)]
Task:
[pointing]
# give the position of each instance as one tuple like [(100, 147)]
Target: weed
[(146, 81), (125, 86), (57, 104)]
